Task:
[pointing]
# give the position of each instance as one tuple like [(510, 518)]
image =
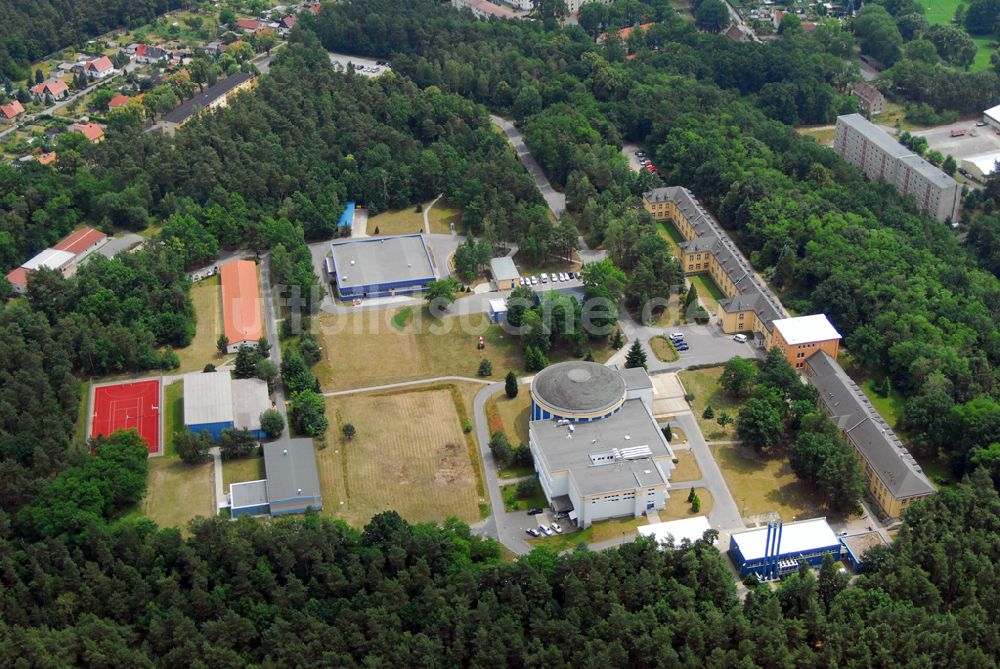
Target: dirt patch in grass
[(203, 348), (241, 470), (410, 455), (823, 134), (178, 492), (686, 469), (704, 384), (663, 349), (762, 484), (677, 506)]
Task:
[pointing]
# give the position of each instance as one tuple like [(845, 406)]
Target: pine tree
[(617, 340), (510, 384), (636, 356), (708, 413), (485, 367)]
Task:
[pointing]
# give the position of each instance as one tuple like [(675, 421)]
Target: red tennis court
[(133, 405)]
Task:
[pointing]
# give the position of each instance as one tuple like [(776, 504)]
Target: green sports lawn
[(942, 11)]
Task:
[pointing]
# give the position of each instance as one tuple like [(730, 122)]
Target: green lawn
[(604, 530), (402, 317), (80, 430), (671, 234), (512, 503), (663, 349), (243, 469), (704, 385), (173, 415), (709, 293), (890, 408), (943, 11)]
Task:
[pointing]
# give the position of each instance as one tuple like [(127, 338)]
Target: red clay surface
[(124, 406)]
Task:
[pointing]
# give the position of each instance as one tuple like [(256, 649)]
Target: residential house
[(870, 99), (145, 53), (99, 68), (287, 23), (47, 158), (249, 26), (93, 132), (10, 111), (57, 90)]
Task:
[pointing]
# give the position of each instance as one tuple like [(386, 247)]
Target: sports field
[(123, 406), (409, 455)]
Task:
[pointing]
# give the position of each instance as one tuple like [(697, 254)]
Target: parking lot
[(976, 141), (364, 66)]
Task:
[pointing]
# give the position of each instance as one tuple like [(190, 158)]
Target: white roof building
[(806, 329), (992, 114), (50, 259), (981, 166), (217, 399), (800, 537), (691, 529)]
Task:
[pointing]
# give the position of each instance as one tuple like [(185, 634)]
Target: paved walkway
[(406, 384), (271, 323), (427, 223), (220, 494), (554, 199), (725, 514), (359, 224)]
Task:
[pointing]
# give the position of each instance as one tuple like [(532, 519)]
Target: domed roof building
[(598, 451)]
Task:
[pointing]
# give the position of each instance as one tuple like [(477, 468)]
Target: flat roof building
[(292, 477), (676, 531), (214, 401), (856, 545), (504, 272), (248, 499), (65, 257), (498, 310), (241, 304), (597, 454), (776, 549), (894, 478), (879, 156), (981, 166), (800, 337), (381, 266)]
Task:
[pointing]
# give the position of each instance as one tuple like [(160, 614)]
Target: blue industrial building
[(291, 486), (381, 266), (776, 550), (214, 402)]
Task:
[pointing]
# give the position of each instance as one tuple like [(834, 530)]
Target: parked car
[(676, 335), (534, 511), (545, 277), (545, 530), (572, 275), (958, 133), (556, 528), (741, 338), (981, 123), (681, 346), (533, 532), (534, 281)]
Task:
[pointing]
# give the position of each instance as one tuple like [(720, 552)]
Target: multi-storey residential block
[(879, 156)]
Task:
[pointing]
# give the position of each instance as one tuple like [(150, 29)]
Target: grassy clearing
[(663, 349), (364, 348), (512, 503), (80, 428), (823, 134), (177, 492), (410, 455), (764, 484), (686, 469), (891, 407), (208, 309), (678, 507), (243, 469), (398, 222), (442, 216), (939, 11), (704, 385), (173, 415), (672, 235), (605, 530), (510, 416), (709, 293)]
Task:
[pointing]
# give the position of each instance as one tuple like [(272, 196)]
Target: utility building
[(291, 486), (598, 452), (776, 550), (381, 266), (241, 304), (505, 273), (214, 401)]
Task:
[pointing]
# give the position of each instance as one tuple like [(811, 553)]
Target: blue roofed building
[(347, 218)]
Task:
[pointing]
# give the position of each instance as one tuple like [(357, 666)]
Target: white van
[(741, 338)]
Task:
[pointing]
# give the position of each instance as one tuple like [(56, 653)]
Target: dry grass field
[(704, 385), (365, 348), (409, 455), (765, 484), (686, 469), (178, 492), (208, 307), (678, 507), (409, 220)]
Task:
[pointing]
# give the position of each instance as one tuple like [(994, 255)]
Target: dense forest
[(33, 29), (87, 583)]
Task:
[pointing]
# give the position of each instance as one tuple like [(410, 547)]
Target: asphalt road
[(725, 514), (554, 199), (271, 323)]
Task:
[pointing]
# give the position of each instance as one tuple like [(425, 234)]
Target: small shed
[(505, 273), (858, 544), (498, 311), (248, 498)]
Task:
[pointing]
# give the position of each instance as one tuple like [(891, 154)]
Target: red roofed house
[(144, 53), (315, 9), (82, 241), (250, 26), (57, 90), (624, 33), (241, 304), (99, 68), (93, 132), (64, 257), (11, 111), (288, 22), (46, 158), (118, 100)]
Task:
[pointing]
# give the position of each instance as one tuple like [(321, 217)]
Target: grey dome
[(578, 387)]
